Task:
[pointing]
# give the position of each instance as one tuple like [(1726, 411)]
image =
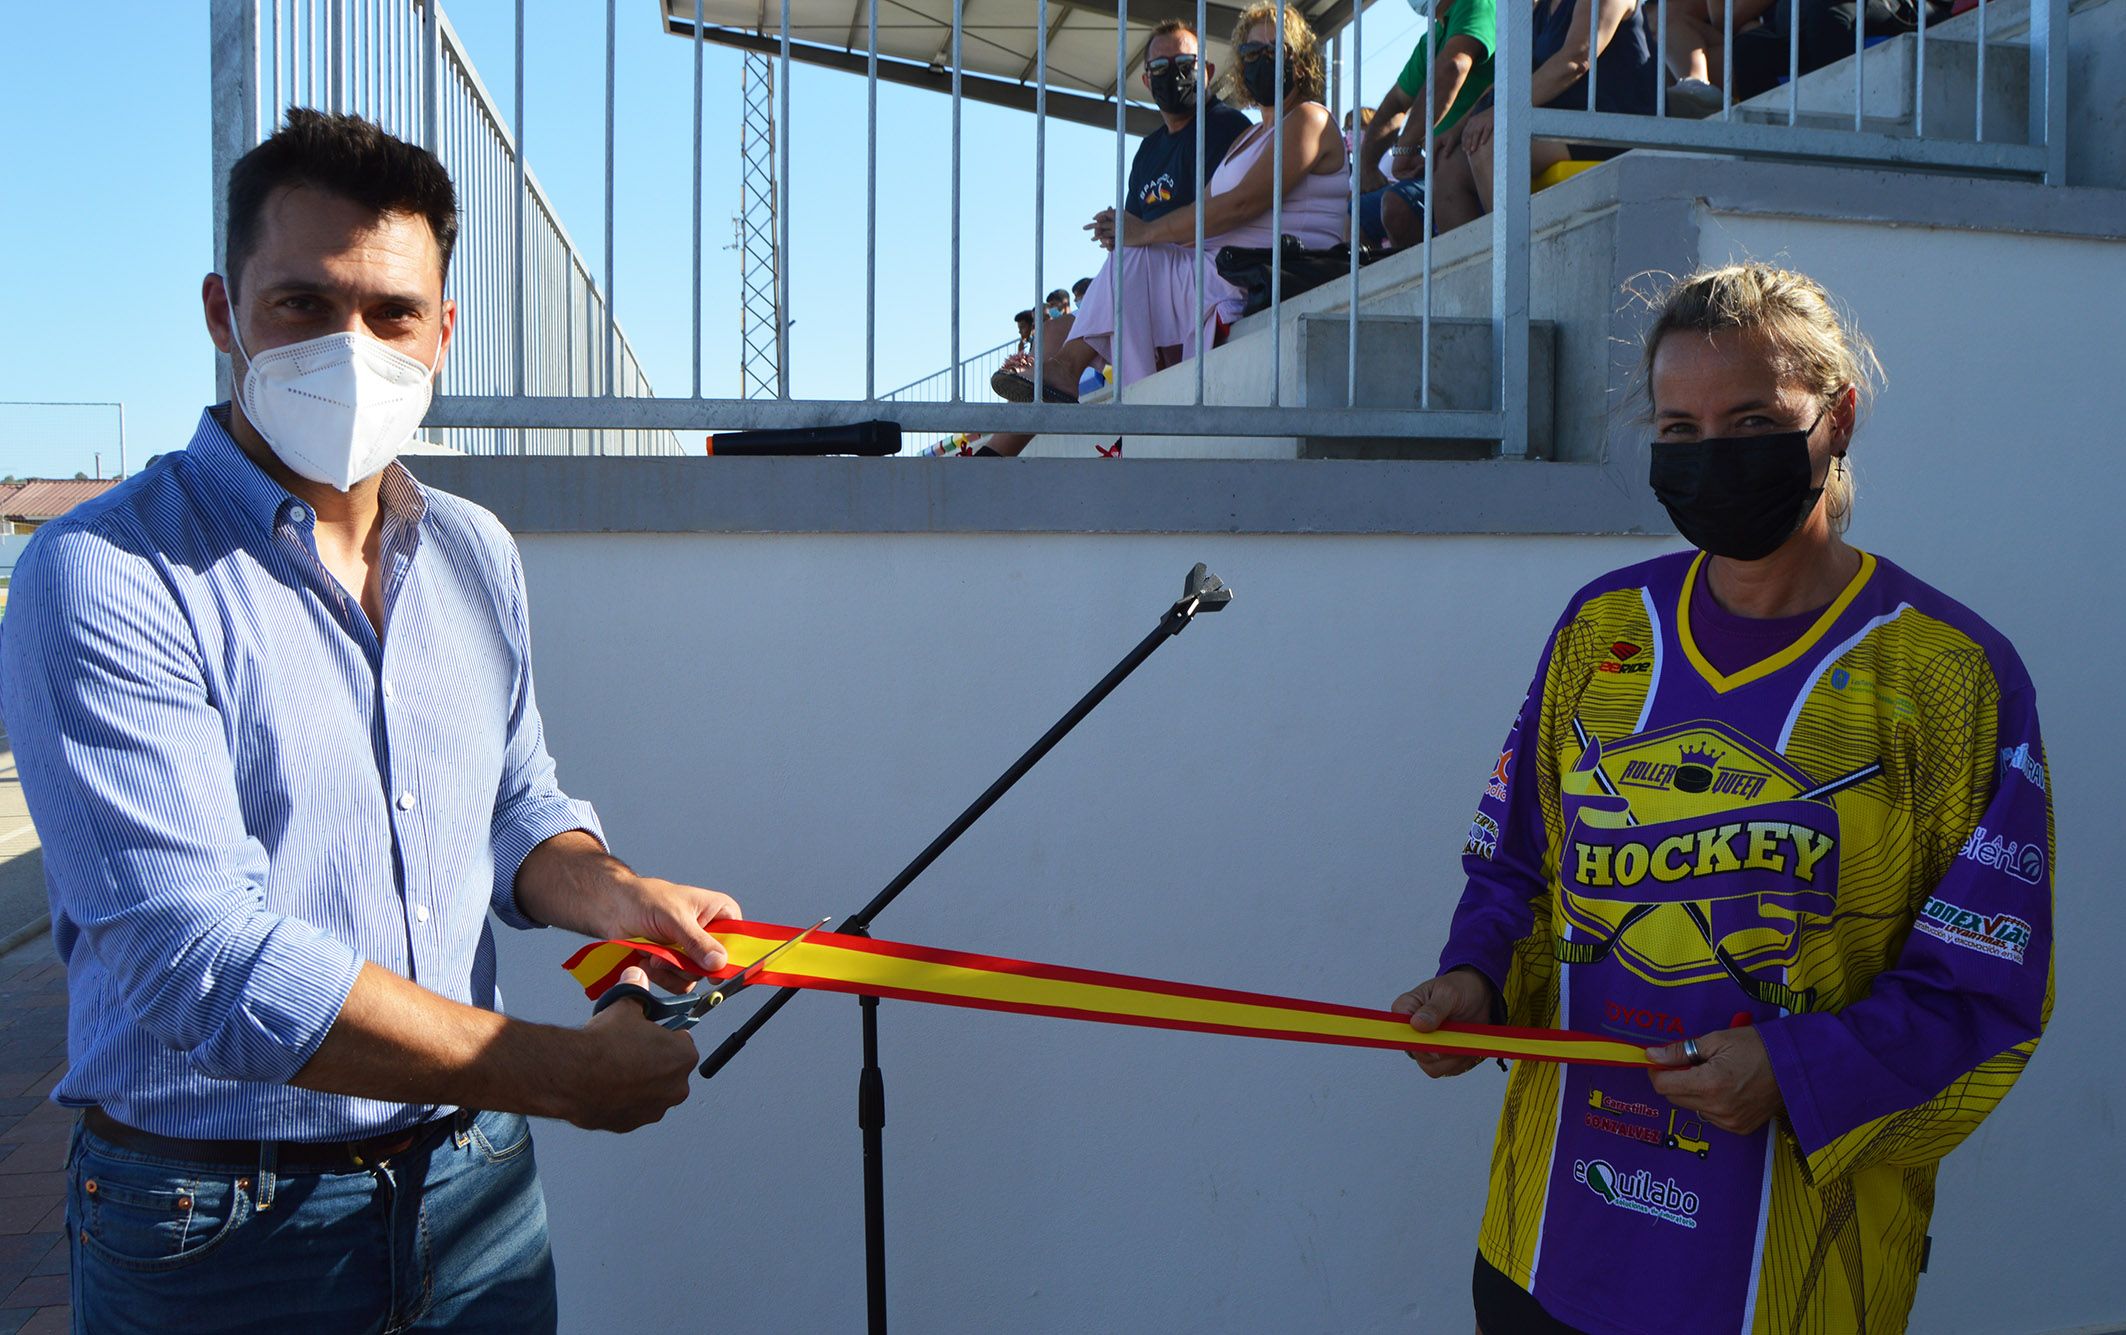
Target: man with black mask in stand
[(1162, 177)]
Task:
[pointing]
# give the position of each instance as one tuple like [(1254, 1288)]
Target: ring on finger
[(1691, 1053)]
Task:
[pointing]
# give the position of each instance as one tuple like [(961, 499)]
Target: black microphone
[(872, 439)]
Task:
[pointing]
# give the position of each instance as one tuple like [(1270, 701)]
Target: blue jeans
[(451, 1239), (1370, 226)]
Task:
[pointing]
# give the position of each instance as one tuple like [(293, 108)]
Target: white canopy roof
[(996, 45)]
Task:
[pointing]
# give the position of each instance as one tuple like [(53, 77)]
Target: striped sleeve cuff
[(293, 985), (531, 824)]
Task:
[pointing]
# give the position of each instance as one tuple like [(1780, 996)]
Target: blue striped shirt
[(244, 792)]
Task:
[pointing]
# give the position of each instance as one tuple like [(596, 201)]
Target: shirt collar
[(267, 503)]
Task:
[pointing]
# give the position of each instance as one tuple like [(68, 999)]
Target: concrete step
[(1389, 368), (1889, 84)]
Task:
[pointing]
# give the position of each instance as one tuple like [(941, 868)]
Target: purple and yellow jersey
[(1848, 845)]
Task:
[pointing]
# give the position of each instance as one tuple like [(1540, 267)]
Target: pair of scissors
[(684, 1012)]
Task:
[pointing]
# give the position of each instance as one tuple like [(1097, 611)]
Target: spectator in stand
[(1162, 175), (1695, 41), (1020, 359), (1459, 73), (1695, 56), (1162, 319), (1009, 380), (1625, 73), (1092, 379), (1358, 124)]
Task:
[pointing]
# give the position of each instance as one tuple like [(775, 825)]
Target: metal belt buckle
[(389, 1152)]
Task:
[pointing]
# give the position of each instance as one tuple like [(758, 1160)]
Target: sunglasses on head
[(1253, 51), (1161, 64)]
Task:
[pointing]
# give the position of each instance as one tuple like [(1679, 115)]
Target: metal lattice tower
[(759, 255)]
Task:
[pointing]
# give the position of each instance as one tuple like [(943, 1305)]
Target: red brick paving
[(33, 1143)]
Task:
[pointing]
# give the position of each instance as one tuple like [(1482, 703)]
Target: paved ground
[(33, 1142), (33, 1130), (21, 859)]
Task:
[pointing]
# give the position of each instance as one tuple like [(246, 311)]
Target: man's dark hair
[(1059, 295), (349, 157), (1024, 317), (1077, 289), (1171, 28)]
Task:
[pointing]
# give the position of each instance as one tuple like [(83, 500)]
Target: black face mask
[(1174, 88), (1740, 497), (1259, 77)]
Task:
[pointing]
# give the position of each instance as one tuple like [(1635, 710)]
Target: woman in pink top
[(1161, 319)]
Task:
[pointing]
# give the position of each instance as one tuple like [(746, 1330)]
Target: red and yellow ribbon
[(832, 962)]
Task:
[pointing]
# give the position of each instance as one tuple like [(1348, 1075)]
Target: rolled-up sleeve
[(126, 767), (530, 807)]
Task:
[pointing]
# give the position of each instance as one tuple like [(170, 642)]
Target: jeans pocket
[(501, 1136), (141, 1215)]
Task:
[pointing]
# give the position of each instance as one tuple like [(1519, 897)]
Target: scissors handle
[(684, 1012), (676, 1013)]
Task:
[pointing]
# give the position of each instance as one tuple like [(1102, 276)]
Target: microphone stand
[(1202, 592)]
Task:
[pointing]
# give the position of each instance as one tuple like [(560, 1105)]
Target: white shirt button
[(420, 913), (387, 690), (406, 800), (298, 514)]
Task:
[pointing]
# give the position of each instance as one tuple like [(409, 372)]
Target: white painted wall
[(1276, 800)]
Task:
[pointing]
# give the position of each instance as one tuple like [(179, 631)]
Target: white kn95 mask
[(338, 408)]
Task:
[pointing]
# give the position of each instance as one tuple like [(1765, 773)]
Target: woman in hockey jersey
[(1778, 808)]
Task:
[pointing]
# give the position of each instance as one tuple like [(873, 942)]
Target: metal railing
[(969, 379), (539, 323), (1763, 130), (579, 402)]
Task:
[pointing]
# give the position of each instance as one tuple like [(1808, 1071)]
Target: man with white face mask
[(272, 703)]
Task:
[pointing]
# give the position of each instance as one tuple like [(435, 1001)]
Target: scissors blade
[(746, 975)]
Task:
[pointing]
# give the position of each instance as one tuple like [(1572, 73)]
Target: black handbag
[(1248, 268)]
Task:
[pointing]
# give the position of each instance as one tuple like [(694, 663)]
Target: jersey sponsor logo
[(1696, 771), (1854, 683), (1483, 837), (2026, 761), (1601, 1102), (1639, 1020), (2001, 935), (2024, 861), (1622, 654), (1692, 853), (1645, 1135), (1496, 788), (1638, 1192), (1686, 1133)]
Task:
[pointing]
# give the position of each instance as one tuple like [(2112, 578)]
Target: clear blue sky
[(107, 219)]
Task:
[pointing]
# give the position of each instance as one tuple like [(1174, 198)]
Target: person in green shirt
[(1459, 75)]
